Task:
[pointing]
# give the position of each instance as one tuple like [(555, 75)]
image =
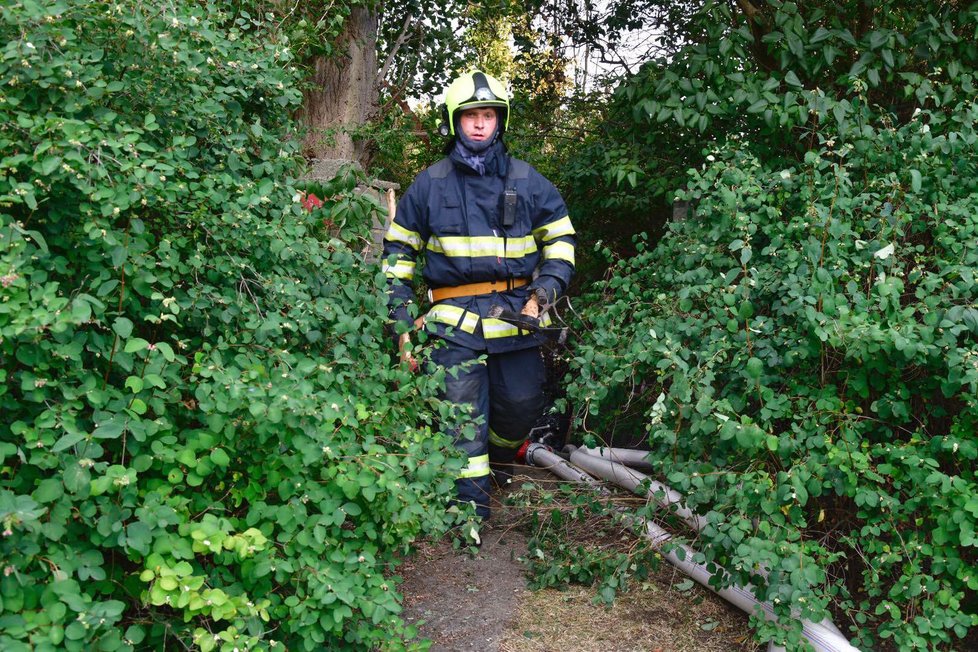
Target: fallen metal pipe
[(540, 456), (631, 479), (636, 459), (662, 494), (824, 636)]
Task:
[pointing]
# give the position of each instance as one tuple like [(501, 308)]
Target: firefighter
[(495, 233)]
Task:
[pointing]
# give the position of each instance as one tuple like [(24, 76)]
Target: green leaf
[(754, 368), (67, 441), (48, 491), (136, 344), (50, 164), (122, 327), (915, 180), (220, 457), (757, 106), (118, 255), (820, 35), (887, 55), (138, 406), (745, 312), (139, 537), (187, 457), (81, 310), (111, 429), (155, 380), (76, 478), (749, 436), (166, 350)]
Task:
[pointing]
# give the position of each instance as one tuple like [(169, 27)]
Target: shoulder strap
[(441, 169), (517, 169)]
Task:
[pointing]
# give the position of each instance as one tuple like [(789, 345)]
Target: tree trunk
[(344, 93)]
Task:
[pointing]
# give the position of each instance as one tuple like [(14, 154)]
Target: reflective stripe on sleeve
[(476, 246), (496, 328), (470, 321), (477, 468), (402, 269), (555, 229), (451, 316), (496, 440), (397, 233), (559, 251)]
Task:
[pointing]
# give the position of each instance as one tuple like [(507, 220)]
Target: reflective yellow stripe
[(452, 315), (496, 328), (403, 269), (475, 246), (467, 321), (470, 322), (477, 468), (443, 314), (559, 251), (504, 443), (397, 233), (548, 232)]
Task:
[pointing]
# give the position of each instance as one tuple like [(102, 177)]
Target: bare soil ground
[(480, 602)]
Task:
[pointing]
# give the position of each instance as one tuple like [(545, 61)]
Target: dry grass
[(651, 616), (479, 603), (664, 613)]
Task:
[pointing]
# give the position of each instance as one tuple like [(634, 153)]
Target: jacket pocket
[(449, 220)]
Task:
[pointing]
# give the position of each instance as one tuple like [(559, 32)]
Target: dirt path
[(467, 602), (480, 602)]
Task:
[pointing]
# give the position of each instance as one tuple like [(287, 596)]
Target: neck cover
[(475, 160), (474, 152)]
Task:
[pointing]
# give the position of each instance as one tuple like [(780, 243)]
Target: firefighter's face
[(478, 124)]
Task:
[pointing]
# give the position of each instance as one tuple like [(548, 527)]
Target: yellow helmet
[(472, 90)]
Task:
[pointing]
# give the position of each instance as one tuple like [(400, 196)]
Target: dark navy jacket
[(454, 217)]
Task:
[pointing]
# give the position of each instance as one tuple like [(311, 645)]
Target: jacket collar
[(496, 161)]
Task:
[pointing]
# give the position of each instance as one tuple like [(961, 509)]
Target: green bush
[(203, 442), (805, 349)]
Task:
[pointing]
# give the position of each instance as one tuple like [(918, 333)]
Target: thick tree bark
[(344, 93)]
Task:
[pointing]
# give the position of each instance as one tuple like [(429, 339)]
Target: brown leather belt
[(471, 289)]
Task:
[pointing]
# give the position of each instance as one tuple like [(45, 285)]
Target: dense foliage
[(803, 350), (193, 452)]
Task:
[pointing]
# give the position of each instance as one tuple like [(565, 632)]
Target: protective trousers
[(506, 389)]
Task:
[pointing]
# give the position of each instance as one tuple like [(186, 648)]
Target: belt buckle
[(431, 297)]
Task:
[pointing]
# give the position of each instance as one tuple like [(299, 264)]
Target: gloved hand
[(403, 342), (536, 304)]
